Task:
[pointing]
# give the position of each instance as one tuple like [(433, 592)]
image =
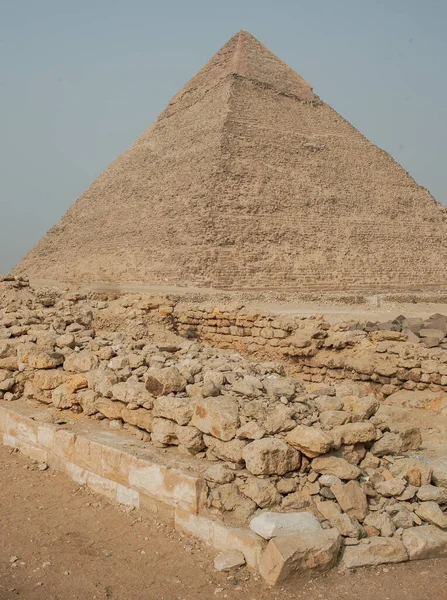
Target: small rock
[(231, 559)]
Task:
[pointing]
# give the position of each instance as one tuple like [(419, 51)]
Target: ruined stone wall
[(314, 349), (255, 438)]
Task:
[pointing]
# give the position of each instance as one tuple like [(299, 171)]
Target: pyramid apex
[(245, 56)]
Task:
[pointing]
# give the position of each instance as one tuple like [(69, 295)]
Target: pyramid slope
[(249, 181)]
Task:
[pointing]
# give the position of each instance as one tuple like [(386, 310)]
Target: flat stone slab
[(270, 524), (377, 551), (425, 542)]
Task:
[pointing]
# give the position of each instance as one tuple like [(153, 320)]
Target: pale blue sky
[(81, 79)]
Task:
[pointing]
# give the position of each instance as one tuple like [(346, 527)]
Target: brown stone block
[(115, 464), (88, 454)]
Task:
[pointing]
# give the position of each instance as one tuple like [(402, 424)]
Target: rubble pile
[(271, 443)]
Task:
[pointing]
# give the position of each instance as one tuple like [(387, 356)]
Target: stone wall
[(316, 350)]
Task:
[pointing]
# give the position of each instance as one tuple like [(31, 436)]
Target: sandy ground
[(62, 542)]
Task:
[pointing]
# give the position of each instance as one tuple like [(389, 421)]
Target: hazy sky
[(80, 80)]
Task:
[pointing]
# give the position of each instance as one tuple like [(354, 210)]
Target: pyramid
[(247, 180)]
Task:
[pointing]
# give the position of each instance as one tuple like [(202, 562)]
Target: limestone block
[(430, 512), (176, 409), (309, 440), (352, 499), (417, 471), (49, 379), (333, 465), (218, 417), (270, 456), (425, 542), (354, 433), (261, 491), (294, 556), (231, 451), (163, 381), (169, 485), (140, 417), (270, 524), (81, 362), (377, 551)]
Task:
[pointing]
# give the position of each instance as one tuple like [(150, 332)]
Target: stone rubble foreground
[(334, 474)]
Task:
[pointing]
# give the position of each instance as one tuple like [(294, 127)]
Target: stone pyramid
[(249, 181)]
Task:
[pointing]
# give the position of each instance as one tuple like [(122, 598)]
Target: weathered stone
[(261, 491), (389, 443), (140, 417), (347, 526), (164, 432), (250, 431), (332, 465), (231, 451), (87, 400), (352, 499), (430, 512), (295, 556), (49, 379), (287, 485), (417, 471), (176, 409), (109, 408), (411, 436), (361, 408), (309, 440), (270, 456), (132, 391), (270, 524), (425, 542), (377, 551), (102, 381), (328, 403), (328, 510), (333, 418), (391, 487), (81, 362), (164, 381), (276, 387), (228, 560), (218, 417), (354, 433), (219, 474), (296, 501), (43, 360), (279, 419), (382, 522), (64, 396), (428, 493)]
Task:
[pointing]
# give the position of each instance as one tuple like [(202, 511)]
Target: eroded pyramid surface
[(247, 180)]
